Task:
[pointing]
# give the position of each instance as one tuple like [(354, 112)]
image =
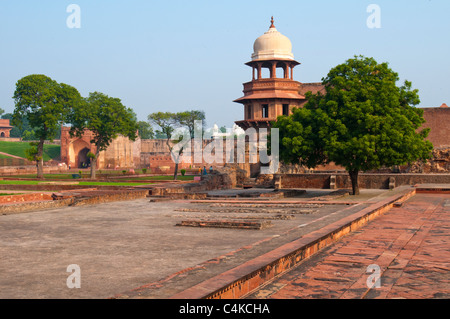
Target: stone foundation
[(439, 163)]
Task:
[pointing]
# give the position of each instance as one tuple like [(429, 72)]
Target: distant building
[(5, 128)]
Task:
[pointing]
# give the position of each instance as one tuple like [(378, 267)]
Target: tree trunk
[(354, 178), (40, 160), (176, 172), (94, 166)]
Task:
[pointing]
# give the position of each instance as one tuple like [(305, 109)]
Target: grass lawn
[(112, 183), (164, 178), (80, 183), (18, 149), (68, 176)]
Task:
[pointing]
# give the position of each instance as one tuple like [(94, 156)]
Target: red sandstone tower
[(266, 98)]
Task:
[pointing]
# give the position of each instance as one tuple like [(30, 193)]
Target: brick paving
[(410, 245)]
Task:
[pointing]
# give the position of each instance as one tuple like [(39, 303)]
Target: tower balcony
[(272, 88), (271, 85)]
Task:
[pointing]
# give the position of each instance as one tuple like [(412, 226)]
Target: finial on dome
[(271, 23)]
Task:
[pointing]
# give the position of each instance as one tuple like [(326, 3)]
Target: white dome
[(272, 45)]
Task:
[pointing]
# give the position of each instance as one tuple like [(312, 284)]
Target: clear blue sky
[(179, 55)]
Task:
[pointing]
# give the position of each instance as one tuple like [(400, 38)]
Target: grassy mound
[(18, 149)]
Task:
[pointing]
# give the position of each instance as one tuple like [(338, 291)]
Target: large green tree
[(106, 117), (45, 104), (363, 121)]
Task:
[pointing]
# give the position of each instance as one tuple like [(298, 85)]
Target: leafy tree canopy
[(168, 122), (106, 117), (45, 104), (145, 130)]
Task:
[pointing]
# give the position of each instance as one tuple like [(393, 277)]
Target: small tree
[(168, 122), (362, 122), (32, 153), (145, 130), (106, 117), (45, 103), (188, 119)]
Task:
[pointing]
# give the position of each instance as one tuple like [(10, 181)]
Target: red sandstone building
[(266, 98), (5, 128)]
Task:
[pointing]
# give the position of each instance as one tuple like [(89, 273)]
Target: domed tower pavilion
[(272, 91)]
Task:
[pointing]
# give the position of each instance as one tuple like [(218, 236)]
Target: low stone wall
[(56, 187), (222, 178), (31, 169), (367, 181), (33, 206), (24, 198), (36, 203)]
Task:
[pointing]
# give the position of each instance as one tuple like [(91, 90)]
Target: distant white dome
[(272, 45)]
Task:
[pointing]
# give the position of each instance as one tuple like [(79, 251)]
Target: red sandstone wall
[(366, 181), (438, 120)]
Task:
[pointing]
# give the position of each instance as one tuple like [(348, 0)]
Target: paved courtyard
[(124, 246), (407, 248)]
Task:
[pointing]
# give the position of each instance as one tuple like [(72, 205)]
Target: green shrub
[(183, 171)]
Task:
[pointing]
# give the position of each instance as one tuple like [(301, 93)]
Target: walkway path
[(13, 156), (408, 246)]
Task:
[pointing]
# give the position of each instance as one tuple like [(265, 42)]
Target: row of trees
[(47, 105)]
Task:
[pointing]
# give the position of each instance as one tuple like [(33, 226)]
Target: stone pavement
[(127, 244), (132, 249), (407, 248)]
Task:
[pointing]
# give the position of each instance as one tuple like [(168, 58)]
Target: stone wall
[(225, 177), (366, 181), (438, 119), (8, 199), (122, 153)]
